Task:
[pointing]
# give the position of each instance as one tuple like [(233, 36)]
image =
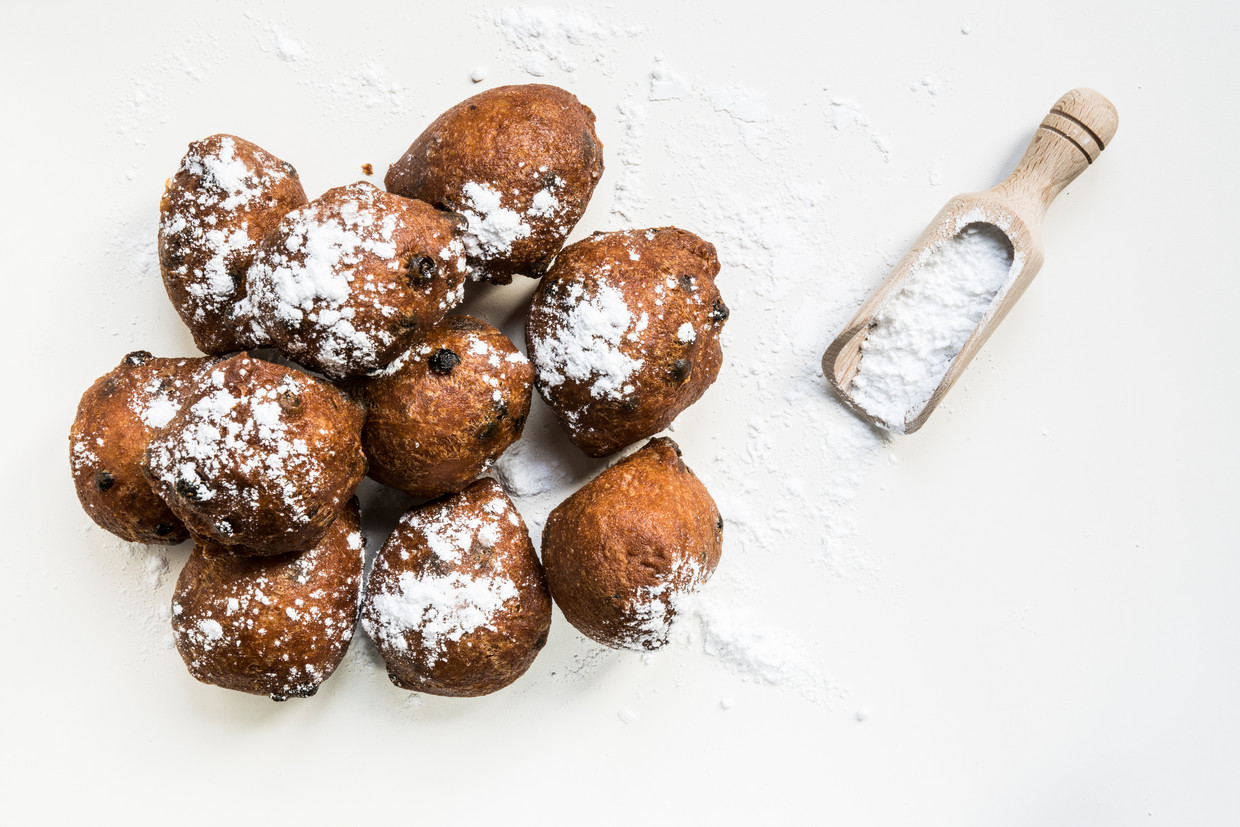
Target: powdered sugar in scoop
[(920, 329)]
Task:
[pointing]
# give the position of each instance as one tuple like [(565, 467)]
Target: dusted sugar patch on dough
[(440, 608), (493, 228), (314, 280), (348, 282), (655, 607), (918, 331), (225, 433), (583, 343), (457, 602), (275, 626), (225, 197), (436, 607), (260, 458)]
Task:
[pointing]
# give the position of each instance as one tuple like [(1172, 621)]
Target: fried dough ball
[(623, 552), (519, 162), (276, 626), (624, 334), (115, 421), (345, 284), (260, 459), (224, 199), (452, 405), (457, 602)]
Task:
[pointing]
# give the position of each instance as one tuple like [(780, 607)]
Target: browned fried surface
[(226, 196), (626, 548), (456, 401), (624, 334), (276, 626), (457, 602), (346, 284), (533, 146), (116, 419), (261, 458)]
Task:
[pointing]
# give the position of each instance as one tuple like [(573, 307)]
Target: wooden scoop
[(1069, 139)]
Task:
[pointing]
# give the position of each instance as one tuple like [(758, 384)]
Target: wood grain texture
[(1070, 138)]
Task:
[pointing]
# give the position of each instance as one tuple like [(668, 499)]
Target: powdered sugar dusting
[(228, 440), (439, 607), (654, 608), (543, 40), (583, 342), (316, 273), (493, 228), (443, 601)]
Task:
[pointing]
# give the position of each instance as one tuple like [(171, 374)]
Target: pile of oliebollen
[(257, 461)]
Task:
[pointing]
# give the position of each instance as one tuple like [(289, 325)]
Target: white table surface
[(1025, 613)]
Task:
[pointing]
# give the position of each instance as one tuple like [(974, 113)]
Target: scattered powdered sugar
[(160, 407), (527, 468), (628, 193), (226, 181), (207, 221), (686, 334), (666, 85), (544, 202), (583, 342), (211, 631), (543, 39), (845, 115), (919, 330), (757, 654)]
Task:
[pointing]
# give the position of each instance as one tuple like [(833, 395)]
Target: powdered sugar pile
[(918, 331)]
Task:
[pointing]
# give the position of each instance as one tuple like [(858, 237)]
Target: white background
[(1031, 602)]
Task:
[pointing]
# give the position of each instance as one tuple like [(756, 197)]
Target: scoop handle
[(1071, 137)]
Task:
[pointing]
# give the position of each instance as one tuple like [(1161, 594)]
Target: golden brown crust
[(457, 602), (626, 548), (226, 196), (276, 626), (453, 404), (624, 334), (347, 283), (116, 419), (519, 162), (261, 458)]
